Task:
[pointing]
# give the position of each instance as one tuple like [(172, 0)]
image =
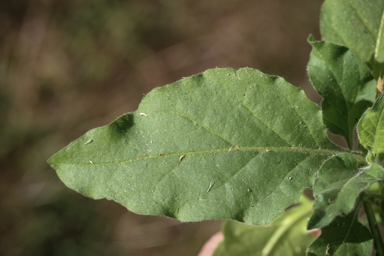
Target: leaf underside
[(222, 144), (345, 83)]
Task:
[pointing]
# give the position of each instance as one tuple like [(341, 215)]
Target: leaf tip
[(311, 39)]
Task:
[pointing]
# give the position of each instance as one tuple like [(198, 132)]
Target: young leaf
[(337, 187), (344, 236), (356, 24), (346, 84), (371, 127), (286, 235), (222, 144)]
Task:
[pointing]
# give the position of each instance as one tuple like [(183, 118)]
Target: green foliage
[(286, 235), (244, 145), (371, 127), (343, 236), (337, 187), (358, 25), (182, 154), (345, 83)]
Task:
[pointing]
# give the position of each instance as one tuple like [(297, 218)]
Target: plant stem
[(373, 195), (378, 240)]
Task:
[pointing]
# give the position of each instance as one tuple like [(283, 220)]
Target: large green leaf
[(356, 24), (346, 84), (337, 187), (371, 127), (344, 236), (285, 236), (222, 144)]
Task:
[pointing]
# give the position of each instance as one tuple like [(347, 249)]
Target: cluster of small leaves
[(244, 145)]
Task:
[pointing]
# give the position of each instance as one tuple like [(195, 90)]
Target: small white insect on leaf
[(327, 251), (181, 157), (143, 114), (88, 141), (210, 186)]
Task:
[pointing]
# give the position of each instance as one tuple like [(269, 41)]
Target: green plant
[(244, 145)]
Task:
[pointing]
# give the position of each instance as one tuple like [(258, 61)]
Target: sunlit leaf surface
[(222, 144)]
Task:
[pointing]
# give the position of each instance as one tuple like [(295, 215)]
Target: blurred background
[(67, 66)]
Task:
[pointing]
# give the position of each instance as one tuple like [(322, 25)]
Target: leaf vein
[(216, 188), (279, 185), (361, 19), (309, 126), (194, 121), (177, 154), (257, 117)]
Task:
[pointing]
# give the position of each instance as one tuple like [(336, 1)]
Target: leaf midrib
[(249, 149)]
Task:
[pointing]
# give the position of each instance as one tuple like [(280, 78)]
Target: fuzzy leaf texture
[(344, 236), (228, 144), (286, 235), (337, 187), (356, 24), (345, 83), (371, 127)]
